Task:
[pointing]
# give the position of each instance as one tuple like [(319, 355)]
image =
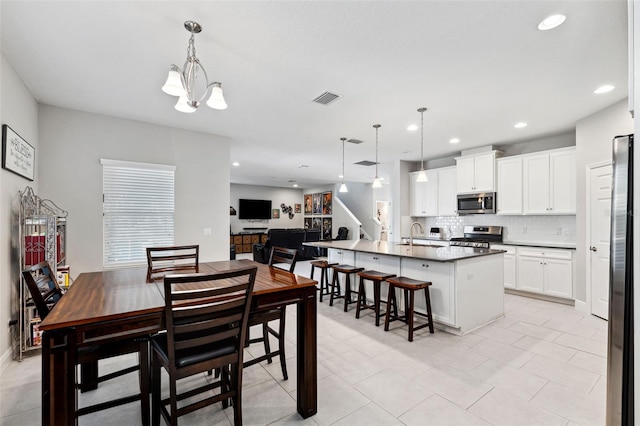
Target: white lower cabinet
[(380, 263), (546, 271), (342, 257), (510, 265), (441, 292)]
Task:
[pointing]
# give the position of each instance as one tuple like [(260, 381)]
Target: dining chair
[(206, 319), (172, 259), (279, 256), (45, 292)]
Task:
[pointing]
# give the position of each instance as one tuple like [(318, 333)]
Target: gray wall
[(19, 110), (593, 145), (73, 143)]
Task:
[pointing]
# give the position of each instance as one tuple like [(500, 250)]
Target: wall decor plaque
[(17, 155)]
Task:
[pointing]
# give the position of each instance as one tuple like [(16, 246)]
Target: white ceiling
[(478, 66)]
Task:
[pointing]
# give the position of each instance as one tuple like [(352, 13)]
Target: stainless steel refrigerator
[(620, 349)]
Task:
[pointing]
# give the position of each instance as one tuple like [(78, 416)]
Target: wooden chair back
[(281, 255), (171, 259), (205, 311), (43, 286)]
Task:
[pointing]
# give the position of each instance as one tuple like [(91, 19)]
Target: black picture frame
[(18, 156)]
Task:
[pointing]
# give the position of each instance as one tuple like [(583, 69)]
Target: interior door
[(600, 234)]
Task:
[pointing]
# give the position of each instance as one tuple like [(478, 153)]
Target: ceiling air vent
[(354, 141), (365, 163), (326, 98)]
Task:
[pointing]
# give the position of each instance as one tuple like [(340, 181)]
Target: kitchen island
[(467, 288)]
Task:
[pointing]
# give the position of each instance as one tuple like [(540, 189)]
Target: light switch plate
[(206, 231)]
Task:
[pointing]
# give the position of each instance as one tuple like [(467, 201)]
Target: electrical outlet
[(524, 229), (559, 231)]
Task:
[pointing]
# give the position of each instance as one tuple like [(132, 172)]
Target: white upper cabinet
[(476, 173), (417, 196), (437, 196), (447, 199), (549, 182), (509, 185)]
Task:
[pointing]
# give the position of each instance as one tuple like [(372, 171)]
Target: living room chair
[(279, 256), (171, 259), (206, 317), (45, 293)]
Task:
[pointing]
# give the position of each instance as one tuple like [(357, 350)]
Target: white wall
[(593, 144), (19, 110), (288, 196), (71, 146)]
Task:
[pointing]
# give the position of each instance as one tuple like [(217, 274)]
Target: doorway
[(382, 218), (599, 223)]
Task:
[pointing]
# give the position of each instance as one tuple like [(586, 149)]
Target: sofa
[(290, 238)]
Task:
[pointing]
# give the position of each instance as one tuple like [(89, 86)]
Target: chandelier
[(182, 82)]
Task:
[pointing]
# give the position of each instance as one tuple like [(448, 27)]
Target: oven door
[(481, 203)]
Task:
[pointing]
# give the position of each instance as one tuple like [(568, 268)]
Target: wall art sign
[(308, 204), (317, 203), (327, 203), (17, 155)]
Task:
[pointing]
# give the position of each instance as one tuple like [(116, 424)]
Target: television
[(254, 209)]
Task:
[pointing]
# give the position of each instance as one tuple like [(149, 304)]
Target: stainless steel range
[(478, 236)]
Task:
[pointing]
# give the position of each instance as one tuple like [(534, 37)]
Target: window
[(138, 210)]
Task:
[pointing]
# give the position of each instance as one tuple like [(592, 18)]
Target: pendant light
[(343, 187), (376, 182), (422, 176)]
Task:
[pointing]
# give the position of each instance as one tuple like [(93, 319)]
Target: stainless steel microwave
[(480, 203)]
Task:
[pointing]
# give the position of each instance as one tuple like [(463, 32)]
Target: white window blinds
[(138, 210)]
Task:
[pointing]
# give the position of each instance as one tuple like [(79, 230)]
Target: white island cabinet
[(467, 284)]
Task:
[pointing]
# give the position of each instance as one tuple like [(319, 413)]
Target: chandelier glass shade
[(192, 79), (377, 183), (343, 187), (422, 176)]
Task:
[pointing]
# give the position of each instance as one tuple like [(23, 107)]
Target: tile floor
[(542, 364)]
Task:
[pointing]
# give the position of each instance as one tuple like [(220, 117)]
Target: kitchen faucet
[(420, 229)]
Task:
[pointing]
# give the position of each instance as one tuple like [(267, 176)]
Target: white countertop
[(437, 253)]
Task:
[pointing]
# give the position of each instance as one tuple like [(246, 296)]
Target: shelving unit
[(42, 236)]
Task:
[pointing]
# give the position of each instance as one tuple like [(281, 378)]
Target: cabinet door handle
[(593, 248), (424, 265)]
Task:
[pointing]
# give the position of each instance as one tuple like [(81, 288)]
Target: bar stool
[(376, 277), (324, 275), (335, 281), (409, 286)]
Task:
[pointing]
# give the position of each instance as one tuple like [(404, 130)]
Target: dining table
[(111, 305)]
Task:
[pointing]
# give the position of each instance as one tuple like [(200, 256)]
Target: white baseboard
[(582, 307), (5, 360)]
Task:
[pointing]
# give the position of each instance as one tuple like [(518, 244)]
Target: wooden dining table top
[(113, 294)]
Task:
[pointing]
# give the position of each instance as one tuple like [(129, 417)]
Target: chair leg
[(347, 292), (376, 301), (173, 402), (313, 267), (281, 343), (361, 294), (224, 384), (391, 300), (324, 285), (236, 399), (333, 287), (410, 313), (430, 316), (144, 381), (155, 390), (267, 345)]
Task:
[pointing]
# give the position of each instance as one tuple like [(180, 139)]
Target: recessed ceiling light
[(235, 164), (454, 140), (604, 89), (520, 125), (412, 127), (295, 185), (340, 176), (381, 178), (551, 22)]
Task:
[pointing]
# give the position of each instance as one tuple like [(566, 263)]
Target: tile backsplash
[(522, 229)]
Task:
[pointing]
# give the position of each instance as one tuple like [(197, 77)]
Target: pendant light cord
[(421, 111)]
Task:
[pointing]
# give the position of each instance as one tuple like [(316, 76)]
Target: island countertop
[(391, 248)]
